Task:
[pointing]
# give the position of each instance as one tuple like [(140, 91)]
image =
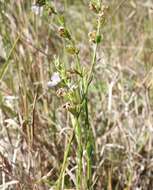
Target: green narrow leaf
[(6, 64)]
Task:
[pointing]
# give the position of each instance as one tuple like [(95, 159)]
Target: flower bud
[(92, 36), (50, 9), (72, 49), (95, 6), (63, 32)]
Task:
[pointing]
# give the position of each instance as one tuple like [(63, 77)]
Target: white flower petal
[(55, 79), (51, 84), (36, 9)]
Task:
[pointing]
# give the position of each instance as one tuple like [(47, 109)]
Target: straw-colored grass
[(76, 95)]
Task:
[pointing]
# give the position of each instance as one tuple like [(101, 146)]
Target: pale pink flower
[(55, 79)]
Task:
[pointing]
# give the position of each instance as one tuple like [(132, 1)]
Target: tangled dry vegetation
[(34, 126)]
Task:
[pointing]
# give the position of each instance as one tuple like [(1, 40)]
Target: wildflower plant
[(71, 85), (74, 89)]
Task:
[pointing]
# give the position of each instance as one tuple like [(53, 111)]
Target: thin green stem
[(80, 153), (89, 141), (79, 64), (76, 131), (67, 150), (89, 147), (5, 67), (94, 56)]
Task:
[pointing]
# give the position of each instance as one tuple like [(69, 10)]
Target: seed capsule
[(67, 106), (92, 36), (61, 92)]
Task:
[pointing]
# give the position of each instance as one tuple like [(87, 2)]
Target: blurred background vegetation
[(33, 124)]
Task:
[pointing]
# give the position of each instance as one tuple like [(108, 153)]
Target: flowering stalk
[(77, 103), (96, 38)]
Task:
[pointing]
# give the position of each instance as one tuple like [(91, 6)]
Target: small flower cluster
[(65, 33), (101, 11), (66, 89), (97, 7)]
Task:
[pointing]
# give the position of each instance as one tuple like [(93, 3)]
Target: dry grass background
[(34, 126)]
